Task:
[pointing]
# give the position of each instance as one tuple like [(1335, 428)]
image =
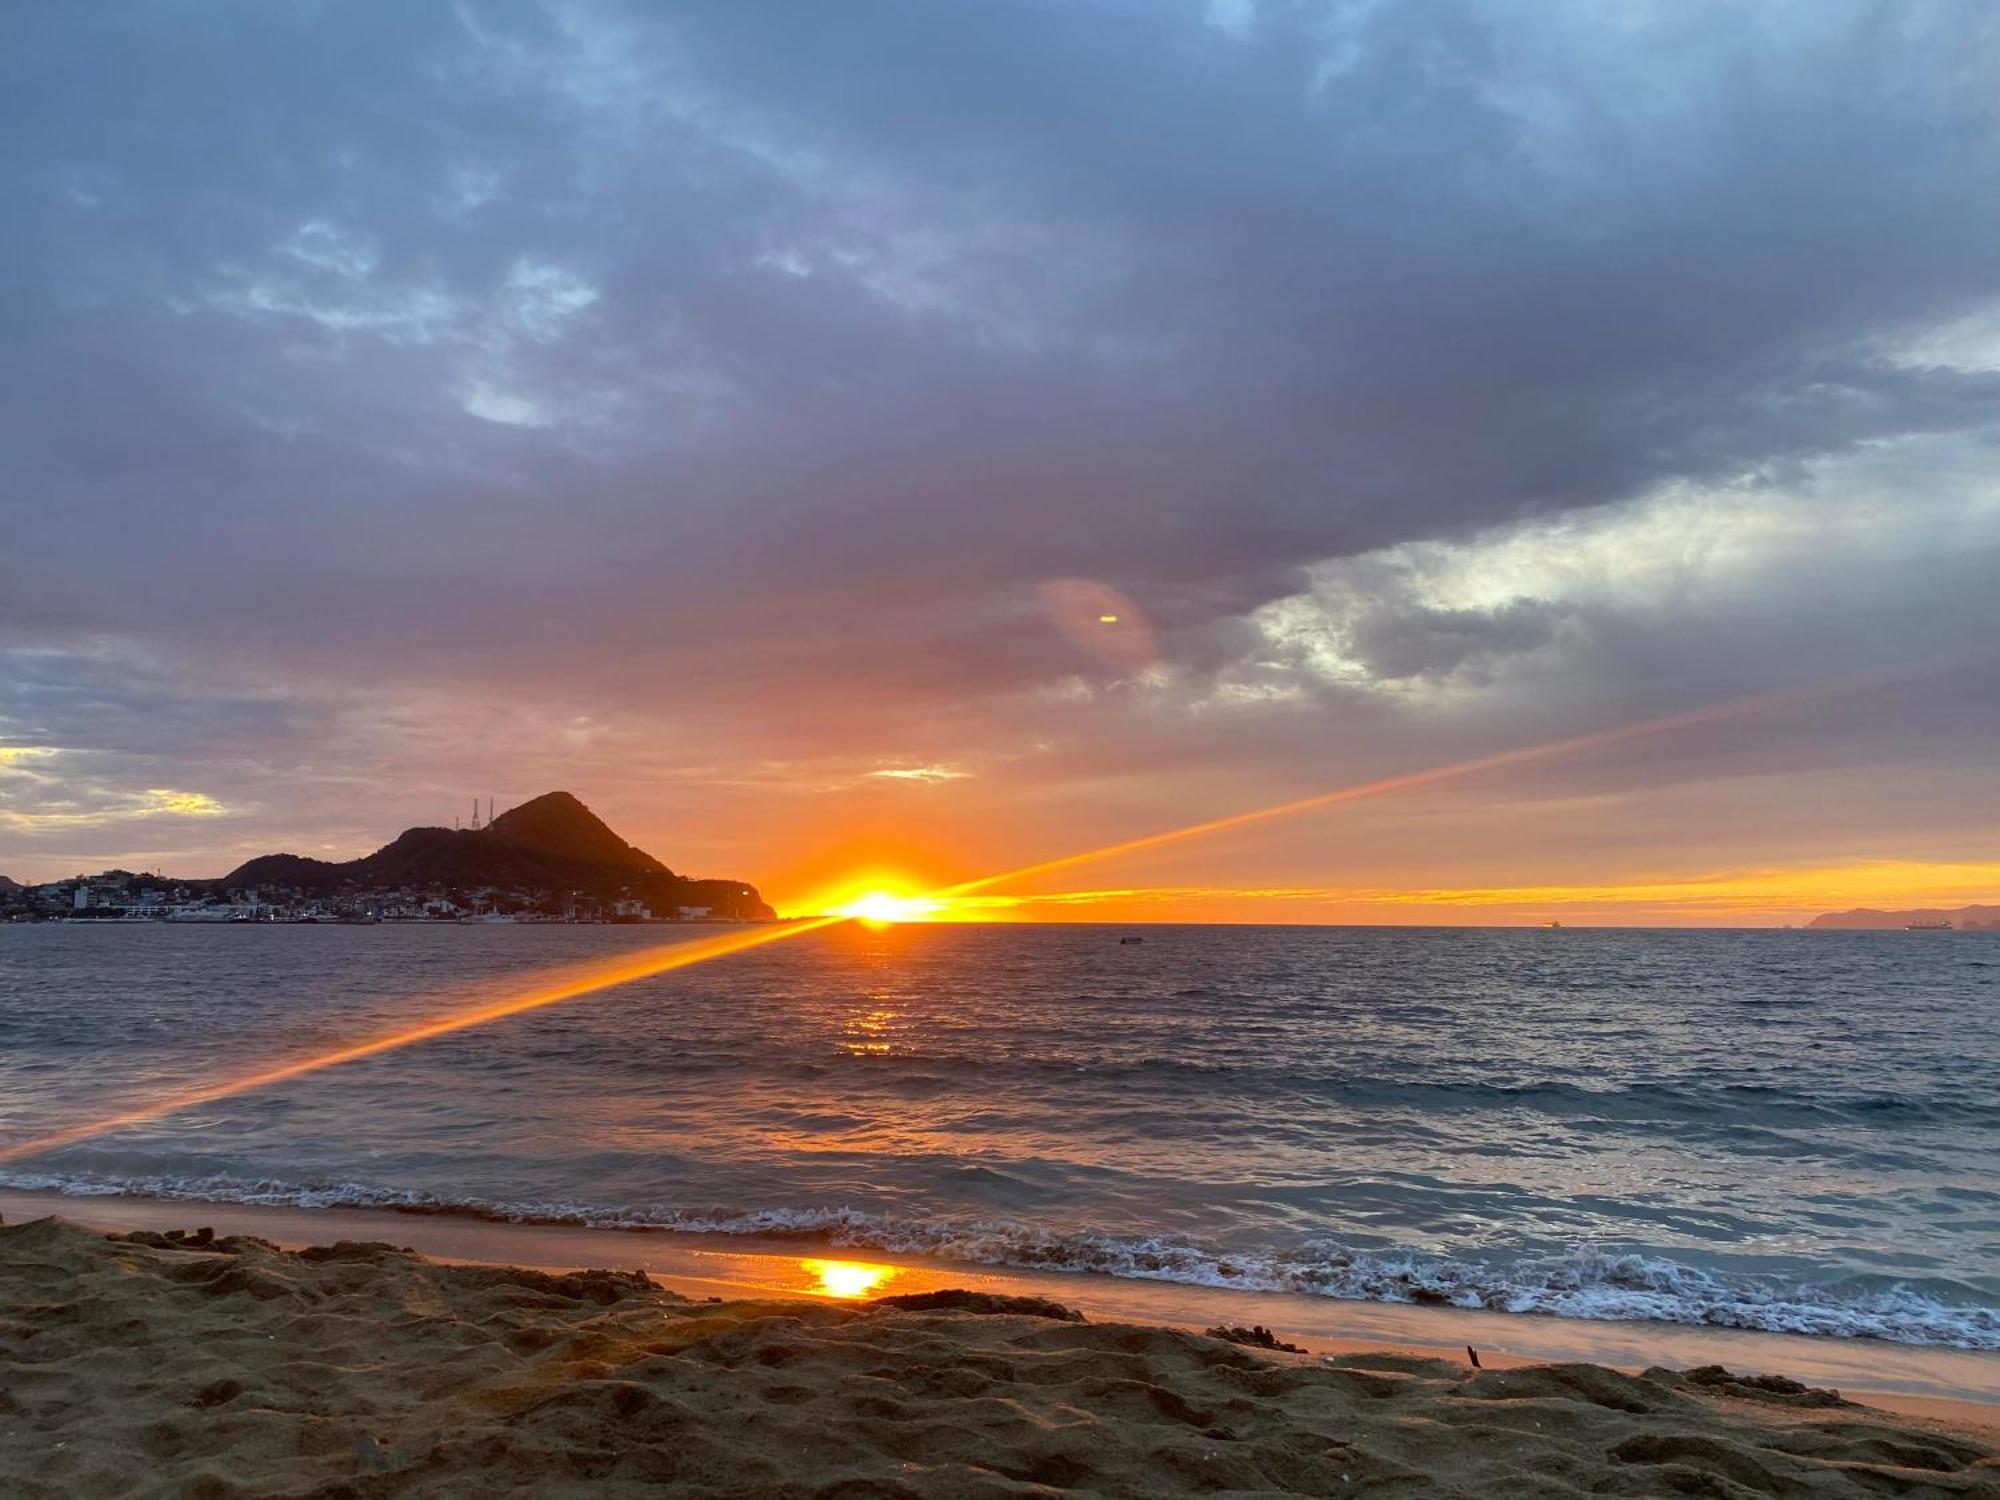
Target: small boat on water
[(1128, 941), (1927, 927)]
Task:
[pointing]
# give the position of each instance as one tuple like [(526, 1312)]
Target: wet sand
[(234, 1368)]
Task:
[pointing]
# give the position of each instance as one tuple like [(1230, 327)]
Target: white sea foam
[(1585, 1283)]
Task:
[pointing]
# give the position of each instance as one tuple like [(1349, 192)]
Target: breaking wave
[(1586, 1282)]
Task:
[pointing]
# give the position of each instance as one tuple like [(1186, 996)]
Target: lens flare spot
[(846, 1278), (1101, 623)]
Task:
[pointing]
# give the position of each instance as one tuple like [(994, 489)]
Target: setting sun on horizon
[(882, 908)]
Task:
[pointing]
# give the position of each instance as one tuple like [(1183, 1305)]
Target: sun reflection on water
[(847, 1278), (867, 1034)]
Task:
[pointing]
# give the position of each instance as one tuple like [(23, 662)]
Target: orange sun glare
[(880, 908)]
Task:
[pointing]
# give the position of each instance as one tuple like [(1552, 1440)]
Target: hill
[(553, 846), (1866, 919), (561, 827)]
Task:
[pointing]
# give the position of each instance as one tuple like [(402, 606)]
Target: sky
[(911, 439)]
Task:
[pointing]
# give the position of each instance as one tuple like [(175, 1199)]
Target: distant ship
[(1927, 927)]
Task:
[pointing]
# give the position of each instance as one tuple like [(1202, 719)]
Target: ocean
[(1785, 1131)]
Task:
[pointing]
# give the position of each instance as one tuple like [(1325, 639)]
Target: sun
[(879, 908)]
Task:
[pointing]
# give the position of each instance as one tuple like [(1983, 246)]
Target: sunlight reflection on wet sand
[(847, 1278)]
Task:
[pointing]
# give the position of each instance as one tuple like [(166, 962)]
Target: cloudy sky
[(747, 415)]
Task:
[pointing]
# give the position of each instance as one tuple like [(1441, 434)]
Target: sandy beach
[(217, 1365)]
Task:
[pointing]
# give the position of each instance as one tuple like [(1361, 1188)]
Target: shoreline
[(1960, 1387), (1584, 1286)]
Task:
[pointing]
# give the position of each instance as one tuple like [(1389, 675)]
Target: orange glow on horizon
[(1729, 895), (847, 1279), (1804, 891)]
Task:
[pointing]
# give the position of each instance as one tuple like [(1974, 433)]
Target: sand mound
[(191, 1366)]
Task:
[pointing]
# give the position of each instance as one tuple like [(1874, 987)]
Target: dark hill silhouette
[(9, 885), (553, 845), (563, 828)]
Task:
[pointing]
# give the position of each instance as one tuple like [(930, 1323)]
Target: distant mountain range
[(553, 844), (1867, 919)]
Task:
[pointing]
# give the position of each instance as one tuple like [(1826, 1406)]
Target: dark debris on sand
[(1776, 1389), (203, 1240), (953, 1299), (1257, 1336)]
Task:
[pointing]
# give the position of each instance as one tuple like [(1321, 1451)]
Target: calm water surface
[(1781, 1130)]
